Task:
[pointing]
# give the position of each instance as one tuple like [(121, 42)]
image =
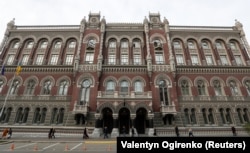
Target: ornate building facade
[(144, 75)]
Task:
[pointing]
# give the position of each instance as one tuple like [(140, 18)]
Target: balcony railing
[(117, 94), (213, 98), (37, 98)]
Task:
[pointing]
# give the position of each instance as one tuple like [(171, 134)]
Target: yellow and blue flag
[(18, 70)]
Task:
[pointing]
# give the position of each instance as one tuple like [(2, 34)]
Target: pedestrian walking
[(177, 131), (85, 133), (105, 131), (190, 132), (133, 131), (53, 133), (4, 134), (233, 131), (50, 133), (9, 133)]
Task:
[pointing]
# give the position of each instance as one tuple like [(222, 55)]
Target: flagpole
[(5, 100)]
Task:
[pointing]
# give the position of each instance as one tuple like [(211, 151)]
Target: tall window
[(54, 59), (46, 90), (185, 87), (25, 59), (194, 59), (124, 44), (69, 59), (233, 46), (191, 45), (14, 87), (205, 45), (124, 86), (39, 59), (124, 59), (111, 59), (247, 84), (10, 59), (159, 58), (137, 44), (177, 45), (89, 58), (217, 88), (209, 60), (163, 92), (234, 88), (201, 87), (223, 59), (110, 87), (238, 60), (137, 59), (138, 86), (219, 45), (112, 44), (63, 88), (85, 92), (30, 87), (179, 59)]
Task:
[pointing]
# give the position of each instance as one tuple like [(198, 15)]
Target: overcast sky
[(178, 12)]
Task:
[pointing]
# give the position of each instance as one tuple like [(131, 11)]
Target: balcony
[(213, 98), (117, 94), (81, 108), (168, 109)]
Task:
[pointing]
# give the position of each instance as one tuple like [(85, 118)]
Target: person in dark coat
[(105, 131), (177, 131), (233, 131), (53, 133), (85, 133), (9, 133), (50, 133)]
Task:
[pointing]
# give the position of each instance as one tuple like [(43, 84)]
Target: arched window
[(16, 44), (217, 88), (110, 87), (177, 45), (30, 87), (44, 45), (124, 87), (234, 88), (138, 86), (72, 44), (14, 87), (124, 43), (30, 44), (63, 88), (201, 87), (163, 92), (112, 43), (46, 87), (185, 87), (58, 45), (84, 92)]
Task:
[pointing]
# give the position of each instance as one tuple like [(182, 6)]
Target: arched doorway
[(107, 119), (124, 120), (140, 120), (80, 119)]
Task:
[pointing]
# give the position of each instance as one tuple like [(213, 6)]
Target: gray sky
[(178, 12)]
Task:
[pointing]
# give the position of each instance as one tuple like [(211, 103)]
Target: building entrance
[(140, 120), (107, 119), (124, 120)]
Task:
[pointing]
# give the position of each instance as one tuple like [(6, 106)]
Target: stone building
[(147, 75)]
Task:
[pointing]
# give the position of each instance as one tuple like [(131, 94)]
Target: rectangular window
[(69, 59), (137, 59), (179, 60), (10, 59), (124, 59), (89, 58), (209, 60), (223, 59), (159, 58), (238, 60), (25, 60), (111, 60), (194, 59), (54, 59), (39, 59)]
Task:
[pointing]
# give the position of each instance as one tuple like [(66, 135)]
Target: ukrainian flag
[(18, 70)]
